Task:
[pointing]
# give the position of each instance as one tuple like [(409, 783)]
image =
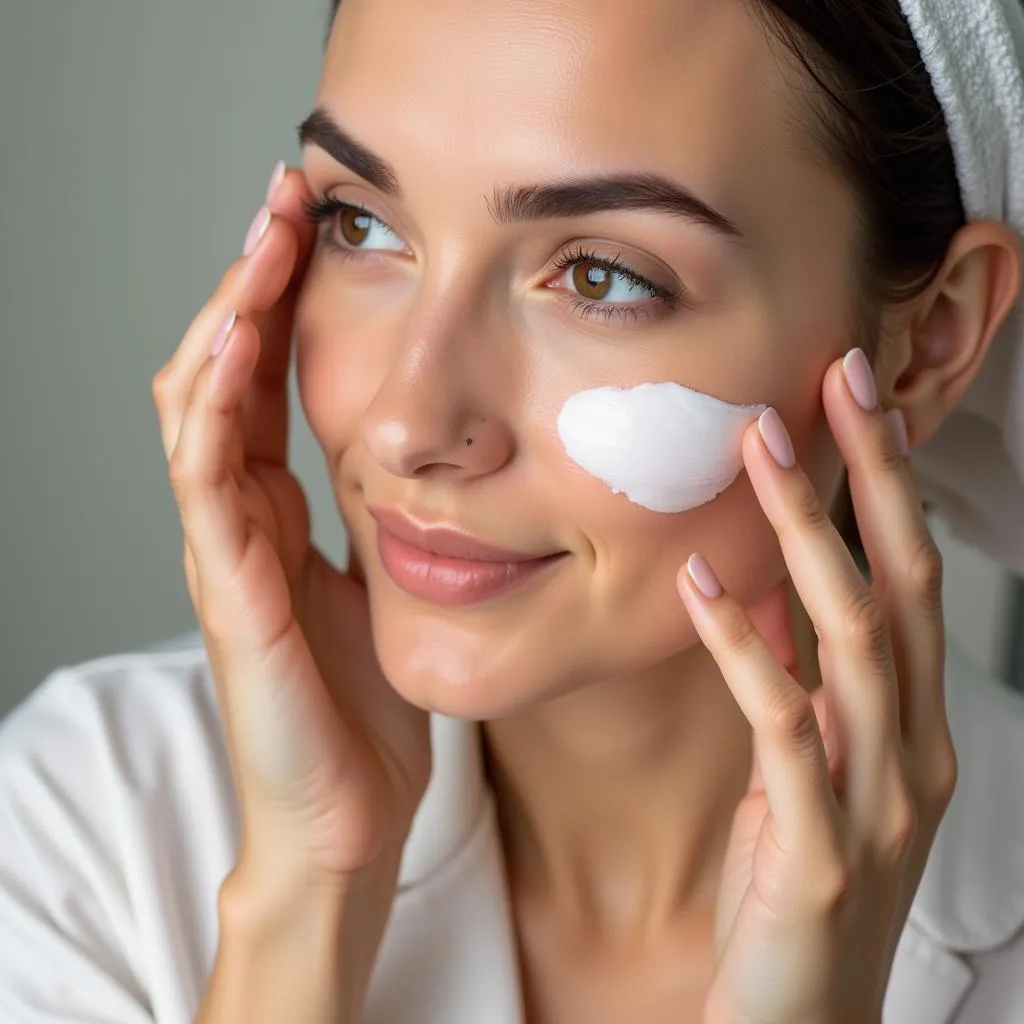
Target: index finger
[(264, 407)]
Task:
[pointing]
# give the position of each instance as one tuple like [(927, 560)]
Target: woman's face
[(440, 334)]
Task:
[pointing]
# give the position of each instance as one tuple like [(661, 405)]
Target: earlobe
[(954, 324)]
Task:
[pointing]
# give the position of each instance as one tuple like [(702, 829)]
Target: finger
[(265, 403), (205, 463), (251, 286), (826, 719), (789, 747), (854, 645), (833, 749), (287, 199), (772, 618), (906, 566)]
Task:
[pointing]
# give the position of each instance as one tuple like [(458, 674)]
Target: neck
[(616, 801)]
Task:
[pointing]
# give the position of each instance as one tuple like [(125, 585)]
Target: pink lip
[(447, 566)]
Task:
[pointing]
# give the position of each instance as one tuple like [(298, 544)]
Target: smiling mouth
[(449, 567)]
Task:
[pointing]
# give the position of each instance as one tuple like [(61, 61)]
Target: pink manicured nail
[(704, 577), (860, 380), (222, 334), (275, 179), (776, 438), (257, 230), (898, 423)]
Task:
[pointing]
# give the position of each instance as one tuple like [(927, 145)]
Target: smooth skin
[(325, 682), (812, 878)]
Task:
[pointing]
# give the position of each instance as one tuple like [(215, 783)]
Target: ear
[(947, 331)]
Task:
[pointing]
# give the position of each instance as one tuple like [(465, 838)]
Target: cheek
[(638, 553), (663, 467), (668, 448), (685, 459), (336, 375)]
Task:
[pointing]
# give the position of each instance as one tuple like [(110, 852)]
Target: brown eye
[(355, 225), (591, 280)]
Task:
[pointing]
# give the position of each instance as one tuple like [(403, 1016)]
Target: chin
[(482, 670), (482, 660), (444, 668)]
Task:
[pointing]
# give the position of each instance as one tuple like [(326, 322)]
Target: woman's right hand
[(329, 762)]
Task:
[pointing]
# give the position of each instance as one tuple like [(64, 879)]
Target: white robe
[(118, 824)]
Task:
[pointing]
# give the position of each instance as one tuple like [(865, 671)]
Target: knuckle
[(890, 458), (925, 572), (215, 617), (181, 477), (161, 384), (835, 885), (944, 776), (866, 624), (811, 510), (738, 634), (901, 828), (789, 714)]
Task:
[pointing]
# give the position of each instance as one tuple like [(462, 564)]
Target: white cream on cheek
[(666, 447)]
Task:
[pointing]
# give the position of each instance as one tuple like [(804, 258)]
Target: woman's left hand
[(849, 783)]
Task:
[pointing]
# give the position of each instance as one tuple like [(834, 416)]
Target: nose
[(442, 408)]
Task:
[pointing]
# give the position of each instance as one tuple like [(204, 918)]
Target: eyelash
[(607, 311), (323, 208)]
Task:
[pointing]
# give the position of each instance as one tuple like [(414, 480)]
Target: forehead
[(688, 86)]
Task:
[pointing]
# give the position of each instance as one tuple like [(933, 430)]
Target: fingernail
[(275, 180), (776, 438), (257, 230), (222, 335), (860, 380), (898, 422), (704, 577)]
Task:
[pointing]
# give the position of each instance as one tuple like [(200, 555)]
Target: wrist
[(286, 953), (290, 933)]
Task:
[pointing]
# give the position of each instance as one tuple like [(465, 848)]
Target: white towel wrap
[(973, 469)]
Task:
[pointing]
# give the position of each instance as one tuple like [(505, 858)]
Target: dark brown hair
[(873, 117)]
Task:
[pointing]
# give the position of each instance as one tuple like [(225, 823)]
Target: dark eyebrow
[(617, 192), (319, 129), (517, 203)]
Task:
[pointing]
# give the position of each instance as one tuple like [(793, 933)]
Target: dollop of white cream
[(666, 447)]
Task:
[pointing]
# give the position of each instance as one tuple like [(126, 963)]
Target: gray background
[(137, 142)]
